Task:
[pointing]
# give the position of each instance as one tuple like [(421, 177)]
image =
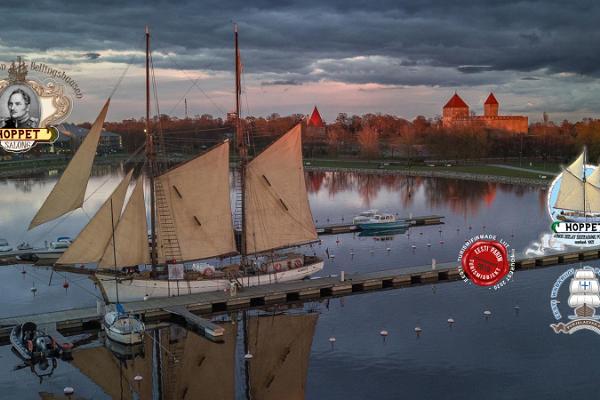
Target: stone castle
[(456, 114)]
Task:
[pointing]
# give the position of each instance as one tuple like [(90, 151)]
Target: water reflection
[(177, 363), (464, 197)]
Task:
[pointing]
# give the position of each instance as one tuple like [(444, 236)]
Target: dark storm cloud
[(92, 56), (470, 38), (287, 82)]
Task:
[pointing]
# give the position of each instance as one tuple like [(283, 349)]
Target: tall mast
[(584, 161), (150, 154), (241, 145)]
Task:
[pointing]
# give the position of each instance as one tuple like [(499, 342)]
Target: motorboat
[(4, 246), (364, 216), (122, 327), (383, 221), (54, 250), (33, 344), (24, 246)]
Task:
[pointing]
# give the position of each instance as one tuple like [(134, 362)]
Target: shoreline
[(468, 176), (14, 171)]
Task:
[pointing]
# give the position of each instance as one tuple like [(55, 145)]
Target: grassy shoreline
[(483, 172), (383, 166)]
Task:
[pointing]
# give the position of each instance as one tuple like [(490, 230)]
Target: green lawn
[(537, 165), (474, 169)]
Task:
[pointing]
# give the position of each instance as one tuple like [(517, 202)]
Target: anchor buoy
[(277, 267), (298, 263)]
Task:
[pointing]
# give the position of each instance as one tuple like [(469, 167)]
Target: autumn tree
[(368, 140)]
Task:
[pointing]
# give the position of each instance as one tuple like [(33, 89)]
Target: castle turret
[(490, 107), (315, 119), (455, 108)]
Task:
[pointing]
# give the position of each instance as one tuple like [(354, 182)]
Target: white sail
[(592, 198), (277, 210), (584, 286), (131, 234), (69, 192), (91, 242), (196, 194), (594, 178), (591, 300), (584, 273), (576, 167), (570, 194)]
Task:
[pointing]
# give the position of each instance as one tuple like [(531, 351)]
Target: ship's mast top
[(150, 155)]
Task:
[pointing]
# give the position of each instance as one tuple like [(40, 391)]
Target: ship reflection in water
[(177, 363)]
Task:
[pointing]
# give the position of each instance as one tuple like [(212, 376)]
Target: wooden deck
[(79, 319)]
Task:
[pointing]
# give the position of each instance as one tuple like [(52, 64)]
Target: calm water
[(510, 355)]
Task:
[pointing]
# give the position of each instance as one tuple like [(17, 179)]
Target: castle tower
[(490, 107), (455, 108), (315, 119)]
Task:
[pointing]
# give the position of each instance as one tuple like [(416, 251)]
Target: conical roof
[(491, 99), (315, 119), (456, 102)]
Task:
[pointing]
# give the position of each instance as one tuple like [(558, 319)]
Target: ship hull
[(381, 226), (138, 289)]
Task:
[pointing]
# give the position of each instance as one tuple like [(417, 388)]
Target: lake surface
[(512, 354)]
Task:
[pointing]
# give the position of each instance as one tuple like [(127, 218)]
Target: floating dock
[(279, 294), (332, 229)]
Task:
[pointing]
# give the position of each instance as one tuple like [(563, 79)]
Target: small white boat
[(123, 328), (24, 246), (364, 216), (54, 250), (4, 246)]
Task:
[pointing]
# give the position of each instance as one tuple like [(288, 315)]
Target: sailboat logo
[(584, 298)]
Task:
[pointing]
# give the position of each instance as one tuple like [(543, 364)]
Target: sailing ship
[(191, 217), (584, 294), (578, 198)]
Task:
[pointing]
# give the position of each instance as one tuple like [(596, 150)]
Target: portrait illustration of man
[(18, 104)]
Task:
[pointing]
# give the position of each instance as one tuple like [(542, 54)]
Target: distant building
[(72, 134), (315, 125), (456, 114)]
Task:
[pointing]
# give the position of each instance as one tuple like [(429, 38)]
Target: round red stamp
[(485, 262)]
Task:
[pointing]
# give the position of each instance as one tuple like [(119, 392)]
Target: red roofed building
[(490, 107), (315, 119), (315, 126), (455, 108), (456, 114)]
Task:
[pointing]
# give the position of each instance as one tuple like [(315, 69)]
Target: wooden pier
[(279, 294)]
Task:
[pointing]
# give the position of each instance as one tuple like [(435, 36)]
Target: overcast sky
[(400, 57)]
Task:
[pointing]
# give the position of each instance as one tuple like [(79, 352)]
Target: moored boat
[(383, 221), (364, 216), (33, 344), (4, 246), (54, 250), (191, 218), (123, 328)]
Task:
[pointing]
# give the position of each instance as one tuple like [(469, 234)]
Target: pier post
[(342, 276)]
